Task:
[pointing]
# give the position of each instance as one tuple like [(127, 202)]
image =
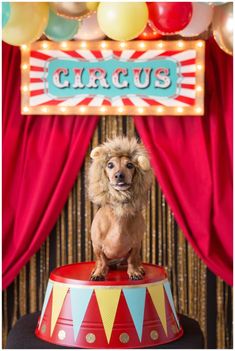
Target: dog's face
[(120, 172)]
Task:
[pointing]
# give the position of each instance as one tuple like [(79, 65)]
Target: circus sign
[(113, 78)]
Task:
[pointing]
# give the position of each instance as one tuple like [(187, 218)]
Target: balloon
[(74, 10), (26, 23), (6, 11), (222, 26), (170, 17), (149, 33), (122, 20), (59, 28), (200, 21), (89, 29)]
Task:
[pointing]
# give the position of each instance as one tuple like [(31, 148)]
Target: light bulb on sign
[(44, 109), (160, 109), (200, 44), (44, 45), (82, 109), (83, 44), (180, 44), (122, 45), (199, 88), (103, 44), (198, 109), (25, 88), (102, 109), (140, 110), (64, 44), (24, 47), (25, 109), (179, 109)]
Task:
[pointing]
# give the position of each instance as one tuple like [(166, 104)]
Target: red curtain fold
[(192, 160), (42, 156)]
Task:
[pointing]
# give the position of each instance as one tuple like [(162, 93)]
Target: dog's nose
[(119, 176)]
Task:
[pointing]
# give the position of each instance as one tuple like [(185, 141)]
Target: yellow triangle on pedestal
[(108, 301), (157, 295), (58, 295)]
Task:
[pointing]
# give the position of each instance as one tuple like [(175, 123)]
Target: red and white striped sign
[(112, 78)]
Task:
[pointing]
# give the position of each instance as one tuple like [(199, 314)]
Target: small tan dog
[(119, 179)]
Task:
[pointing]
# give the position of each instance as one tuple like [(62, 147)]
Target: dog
[(119, 179)]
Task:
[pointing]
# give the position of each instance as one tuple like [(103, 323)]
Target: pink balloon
[(200, 21), (90, 30)]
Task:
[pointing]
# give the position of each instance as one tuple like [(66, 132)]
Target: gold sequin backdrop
[(197, 292)]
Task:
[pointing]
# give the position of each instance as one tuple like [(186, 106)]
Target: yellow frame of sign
[(36, 101)]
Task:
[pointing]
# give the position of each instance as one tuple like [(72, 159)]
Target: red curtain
[(42, 156), (192, 160)]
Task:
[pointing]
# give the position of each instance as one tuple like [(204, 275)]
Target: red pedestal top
[(79, 273)]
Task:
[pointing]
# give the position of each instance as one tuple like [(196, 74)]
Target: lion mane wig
[(102, 193)]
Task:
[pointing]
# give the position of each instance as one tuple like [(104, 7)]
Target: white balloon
[(90, 30), (200, 21)]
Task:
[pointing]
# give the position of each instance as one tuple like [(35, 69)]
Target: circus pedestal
[(116, 313)]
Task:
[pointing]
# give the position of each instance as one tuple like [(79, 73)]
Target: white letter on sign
[(94, 78), (77, 79), (137, 72), (56, 78), (163, 81), (116, 79)]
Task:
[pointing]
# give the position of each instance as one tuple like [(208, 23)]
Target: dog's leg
[(135, 271), (101, 266)]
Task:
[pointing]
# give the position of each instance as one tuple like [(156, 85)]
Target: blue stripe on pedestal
[(135, 299), (46, 299), (80, 299)]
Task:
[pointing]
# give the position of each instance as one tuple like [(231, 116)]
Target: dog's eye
[(130, 165), (110, 165)]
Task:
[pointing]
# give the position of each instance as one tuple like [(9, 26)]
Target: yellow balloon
[(74, 10), (122, 20), (222, 25), (26, 23)]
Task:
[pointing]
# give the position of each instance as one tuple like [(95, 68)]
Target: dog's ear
[(97, 152), (144, 163)]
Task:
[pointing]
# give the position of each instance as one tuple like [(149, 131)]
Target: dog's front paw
[(135, 275), (97, 277)]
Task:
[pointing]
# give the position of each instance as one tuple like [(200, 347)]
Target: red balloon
[(149, 33), (170, 17)]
